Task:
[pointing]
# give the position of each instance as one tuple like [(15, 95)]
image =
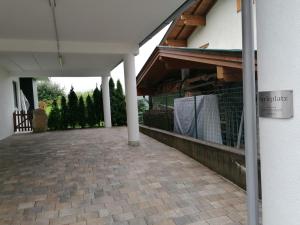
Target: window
[(15, 94)]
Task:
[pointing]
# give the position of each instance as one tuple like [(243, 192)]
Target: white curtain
[(24, 102), (208, 118)]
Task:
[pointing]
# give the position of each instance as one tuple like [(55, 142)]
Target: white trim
[(45, 46)]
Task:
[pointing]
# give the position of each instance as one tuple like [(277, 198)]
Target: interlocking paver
[(91, 176)]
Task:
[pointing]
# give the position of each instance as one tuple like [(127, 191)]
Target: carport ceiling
[(89, 31)]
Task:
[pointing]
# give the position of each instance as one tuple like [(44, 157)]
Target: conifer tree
[(73, 107), (81, 113), (111, 87), (91, 120), (113, 102), (101, 104), (64, 113), (54, 117), (120, 106), (98, 106)]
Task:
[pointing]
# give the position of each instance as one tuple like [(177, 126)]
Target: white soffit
[(94, 34)]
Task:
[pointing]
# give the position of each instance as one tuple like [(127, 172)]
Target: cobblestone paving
[(85, 177)]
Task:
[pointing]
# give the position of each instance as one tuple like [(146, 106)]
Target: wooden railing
[(22, 121)]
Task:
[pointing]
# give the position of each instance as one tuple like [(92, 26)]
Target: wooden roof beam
[(192, 20), (229, 74), (176, 43)]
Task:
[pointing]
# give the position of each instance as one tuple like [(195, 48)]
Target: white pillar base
[(134, 143), (131, 100)]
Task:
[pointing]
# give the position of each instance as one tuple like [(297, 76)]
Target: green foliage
[(117, 103), (49, 91), (54, 117), (91, 119), (101, 106), (88, 109), (111, 87), (98, 105), (81, 113), (143, 106), (120, 105), (73, 107), (113, 102), (84, 94), (64, 113)]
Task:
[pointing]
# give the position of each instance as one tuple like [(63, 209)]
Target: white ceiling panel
[(27, 36)]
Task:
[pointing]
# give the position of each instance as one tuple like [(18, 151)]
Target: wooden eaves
[(185, 25), (226, 63)]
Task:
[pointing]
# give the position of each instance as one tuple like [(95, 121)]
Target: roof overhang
[(185, 24), (93, 36), (164, 60)]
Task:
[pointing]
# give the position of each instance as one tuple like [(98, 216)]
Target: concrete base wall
[(226, 161)]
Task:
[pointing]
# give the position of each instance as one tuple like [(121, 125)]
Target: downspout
[(249, 93)]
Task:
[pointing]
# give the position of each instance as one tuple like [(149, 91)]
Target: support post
[(131, 100), (250, 111), (196, 116), (106, 102), (35, 94)]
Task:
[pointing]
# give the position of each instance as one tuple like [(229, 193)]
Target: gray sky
[(82, 84)]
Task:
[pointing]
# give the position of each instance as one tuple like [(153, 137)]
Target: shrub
[(98, 105), (54, 117), (73, 107), (120, 105), (49, 91), (64, 113), (91, 120), (81, 113)]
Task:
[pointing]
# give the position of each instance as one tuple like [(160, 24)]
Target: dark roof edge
[(188, 49), (168, 20)]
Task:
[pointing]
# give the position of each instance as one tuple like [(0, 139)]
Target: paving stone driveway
[(92, 176)]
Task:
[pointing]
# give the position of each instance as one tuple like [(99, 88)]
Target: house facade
[(223, 29), (9, 102), (209, 24), (12, 90), (199, 55)]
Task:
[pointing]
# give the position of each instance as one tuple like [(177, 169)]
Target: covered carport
[(64, 38)]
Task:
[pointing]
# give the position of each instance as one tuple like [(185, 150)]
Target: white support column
[(35, 94), (106, 102), (131, 100), (278, 32)]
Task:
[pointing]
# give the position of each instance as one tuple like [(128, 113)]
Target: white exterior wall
[(223, 29), (278, 29), (7, 104)]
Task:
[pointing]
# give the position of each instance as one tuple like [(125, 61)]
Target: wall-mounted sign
[(276, 104)]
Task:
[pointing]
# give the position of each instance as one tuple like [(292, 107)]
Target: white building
[(89, 38), (9, 102), (11, 88), (221, 29)]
